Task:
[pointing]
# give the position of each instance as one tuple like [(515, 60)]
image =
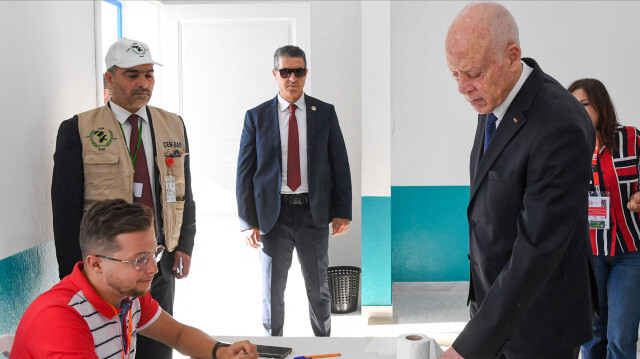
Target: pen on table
[(319, 356)]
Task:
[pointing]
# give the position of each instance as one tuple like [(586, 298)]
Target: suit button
[(472, 223)]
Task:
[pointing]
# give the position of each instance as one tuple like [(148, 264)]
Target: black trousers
[(295, 229), (163, 291)]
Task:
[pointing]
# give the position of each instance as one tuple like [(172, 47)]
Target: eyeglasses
[(286, 73), (142, 260)]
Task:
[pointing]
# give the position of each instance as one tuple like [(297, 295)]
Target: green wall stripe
[(23, 277), (430, 234), (376, 251)]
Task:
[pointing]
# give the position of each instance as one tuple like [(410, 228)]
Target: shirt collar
[(284, 104), (502, 109), (79, 280), (122, 115)]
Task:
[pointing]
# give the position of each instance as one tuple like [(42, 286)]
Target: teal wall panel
[(376, 251), (429, 233), (23, 277)]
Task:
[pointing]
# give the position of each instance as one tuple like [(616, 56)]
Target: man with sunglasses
[(100, 308), (293, 179)]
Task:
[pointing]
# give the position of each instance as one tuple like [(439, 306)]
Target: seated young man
[(100, 308)]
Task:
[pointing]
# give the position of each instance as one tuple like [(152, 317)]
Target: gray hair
[(288, 51)]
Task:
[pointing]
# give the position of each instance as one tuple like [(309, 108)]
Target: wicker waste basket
[(344, 285)]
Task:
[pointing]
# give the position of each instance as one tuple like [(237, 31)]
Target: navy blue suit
[(259, 179)]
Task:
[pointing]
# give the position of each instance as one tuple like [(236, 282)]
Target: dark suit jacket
[(532, 282), (259, 174), (67, 199)]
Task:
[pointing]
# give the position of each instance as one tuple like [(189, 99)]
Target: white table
[(350, 348)]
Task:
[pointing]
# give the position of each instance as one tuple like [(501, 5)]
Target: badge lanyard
[(133, 158), (599, 201), (129, 332), (595, 169)]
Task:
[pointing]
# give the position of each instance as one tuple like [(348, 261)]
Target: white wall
[(433, 126), (336, 49), (376, 98), (48, 75)]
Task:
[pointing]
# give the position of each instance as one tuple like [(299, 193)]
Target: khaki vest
[(108, 172)]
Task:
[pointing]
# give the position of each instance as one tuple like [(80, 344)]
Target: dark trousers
[(163, 291), (571, 353), (295, 229)]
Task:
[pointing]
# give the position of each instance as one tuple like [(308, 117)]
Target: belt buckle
[(296, 199)]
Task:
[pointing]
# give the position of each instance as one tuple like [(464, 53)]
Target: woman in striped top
[(615, 250)]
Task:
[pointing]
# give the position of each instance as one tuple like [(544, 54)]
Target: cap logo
[(138, 49)]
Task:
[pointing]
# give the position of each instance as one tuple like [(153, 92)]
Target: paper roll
[(417, 346)]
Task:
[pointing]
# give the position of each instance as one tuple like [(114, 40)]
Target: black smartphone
[(268, 351)]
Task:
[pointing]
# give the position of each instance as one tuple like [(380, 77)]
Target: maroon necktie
[(293, 159), (140, 169)]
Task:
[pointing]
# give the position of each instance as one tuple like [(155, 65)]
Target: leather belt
[(296, 198)]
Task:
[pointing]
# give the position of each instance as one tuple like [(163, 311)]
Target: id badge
[(137, 189), (599, 210), (170, 182)]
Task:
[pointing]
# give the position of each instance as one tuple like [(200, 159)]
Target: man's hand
[(238, 350), (634, 202), (339, 226), (252, 237), (450, 354), (186, 264)]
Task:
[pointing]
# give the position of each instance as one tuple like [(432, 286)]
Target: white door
[(217, 64)]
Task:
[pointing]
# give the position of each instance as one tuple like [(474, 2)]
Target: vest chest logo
[(100, 139)]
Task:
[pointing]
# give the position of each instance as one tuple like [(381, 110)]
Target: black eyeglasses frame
[(299, 72)]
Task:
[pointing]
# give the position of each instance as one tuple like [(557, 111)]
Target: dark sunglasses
[(286, 73)]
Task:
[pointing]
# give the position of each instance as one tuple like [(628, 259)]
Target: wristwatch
[(215, 349)]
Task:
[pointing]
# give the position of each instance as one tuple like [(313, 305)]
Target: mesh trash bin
[(344, 285)]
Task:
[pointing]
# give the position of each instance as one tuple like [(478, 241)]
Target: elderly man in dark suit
[(293, 179), (532, 288)]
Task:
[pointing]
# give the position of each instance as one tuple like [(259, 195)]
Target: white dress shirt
[(122, 115), (502, 109), (301, 119)]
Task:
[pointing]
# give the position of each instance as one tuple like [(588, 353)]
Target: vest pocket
[(172, 218), (178, 172), (101, 174)]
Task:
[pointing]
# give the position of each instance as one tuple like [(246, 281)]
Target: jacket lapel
[(275, 129), (476, 151), (311, 128), (512, 121), (510, 124)]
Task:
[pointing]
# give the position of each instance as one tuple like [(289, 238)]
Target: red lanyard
[(595, 169), (129, 331)]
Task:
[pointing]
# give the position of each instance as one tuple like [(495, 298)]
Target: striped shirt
[(619, 174), (72, 320)]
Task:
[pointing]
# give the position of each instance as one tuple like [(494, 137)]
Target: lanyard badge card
[(170, 182), (599, 210)]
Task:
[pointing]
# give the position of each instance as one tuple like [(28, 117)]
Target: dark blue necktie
[(489, 130), (125, 307)]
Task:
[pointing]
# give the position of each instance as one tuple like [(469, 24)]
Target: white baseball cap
[(126, 53)]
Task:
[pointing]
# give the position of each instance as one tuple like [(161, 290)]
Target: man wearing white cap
[(132, 151)]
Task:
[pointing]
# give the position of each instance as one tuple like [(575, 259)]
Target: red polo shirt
[(71, 320)]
